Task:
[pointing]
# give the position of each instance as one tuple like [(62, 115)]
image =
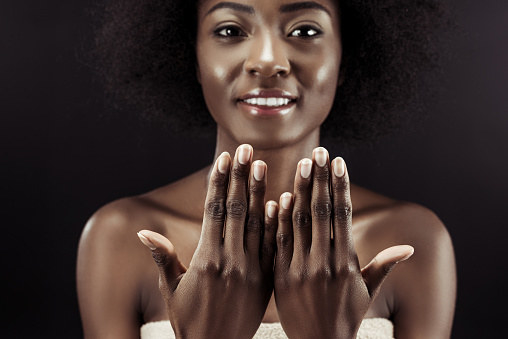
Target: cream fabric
[(371, 328)]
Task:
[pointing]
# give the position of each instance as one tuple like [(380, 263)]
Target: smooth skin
[(214, 237)]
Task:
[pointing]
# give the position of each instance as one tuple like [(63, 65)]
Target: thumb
[(377, 270), (164, 255)]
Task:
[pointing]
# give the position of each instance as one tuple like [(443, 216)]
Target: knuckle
[(215, 209), (340, 185), (285, 217), (301, 218), (322, 210), (301, 185), (218, 179), (211, 268), (254, 224), (387, 268), (298, 276), (284, 240), (322, 273), (235, 273), (161, 259), (236, 208), (322, 175), (238, 173), (343, 212), (347, 270), (257, 188)]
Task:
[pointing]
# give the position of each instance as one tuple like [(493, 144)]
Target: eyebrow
[(293, 7), (298, 6), (232, 5)]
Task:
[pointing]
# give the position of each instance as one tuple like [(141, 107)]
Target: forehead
[(279, 6)]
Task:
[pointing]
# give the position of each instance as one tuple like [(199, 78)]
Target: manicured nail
[(145, 241), (271, 209), (320, 155), (285, 200), (407, 256), (223, 164), (259, 170), (339, 167), (244, 153), (305, 168)]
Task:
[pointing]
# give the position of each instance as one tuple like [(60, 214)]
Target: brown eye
[(229, 31), (305, 32)]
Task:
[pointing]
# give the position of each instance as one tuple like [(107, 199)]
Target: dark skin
[(205, 278)]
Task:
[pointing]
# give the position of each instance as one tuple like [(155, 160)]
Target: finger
[(215, 203), (164, 254), (236, 202), (377, 270), (284, 235), (269, 236), (342, 210), (302, 225), (321, 203), (255, 215)]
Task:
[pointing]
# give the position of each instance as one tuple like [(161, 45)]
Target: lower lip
[(265, 111)]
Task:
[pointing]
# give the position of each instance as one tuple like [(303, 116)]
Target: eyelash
[(306, 28), (240, 33), (236, 29)]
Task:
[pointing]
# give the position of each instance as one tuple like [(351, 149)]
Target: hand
[(225, 291), (320, 290)]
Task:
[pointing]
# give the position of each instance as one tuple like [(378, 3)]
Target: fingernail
[(305, 168), (285, 200), (223, 164), (259, 170), (339, 167), (244, 153), (320, 155), (146, 242), (270, 209)]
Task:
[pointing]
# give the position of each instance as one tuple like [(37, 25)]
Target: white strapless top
[(371, 328)]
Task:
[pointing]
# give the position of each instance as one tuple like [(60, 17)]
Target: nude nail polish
[(259, 170), (223, 164), (270, 210), (244, 154), (320, 155), (146, 242), (285, 200), (339, 167), (305, 168)]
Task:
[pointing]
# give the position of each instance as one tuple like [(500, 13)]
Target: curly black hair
[(145, 53)]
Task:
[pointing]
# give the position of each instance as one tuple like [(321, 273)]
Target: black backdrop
[(64, 154)]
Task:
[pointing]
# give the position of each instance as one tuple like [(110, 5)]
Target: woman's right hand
[(225, 291)]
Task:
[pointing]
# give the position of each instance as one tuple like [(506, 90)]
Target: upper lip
[(268, 93)]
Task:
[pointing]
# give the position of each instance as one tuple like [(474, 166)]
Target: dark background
[(64, 153)]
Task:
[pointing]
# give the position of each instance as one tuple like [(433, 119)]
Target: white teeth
[(271, 102)]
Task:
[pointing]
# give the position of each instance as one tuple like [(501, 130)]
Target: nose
[(267, 57)]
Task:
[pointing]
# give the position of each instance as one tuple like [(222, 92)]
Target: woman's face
[(268, 68)]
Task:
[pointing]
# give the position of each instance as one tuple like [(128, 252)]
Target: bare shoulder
[(167, 210), (395, 222), (420, 292), (116, 275)]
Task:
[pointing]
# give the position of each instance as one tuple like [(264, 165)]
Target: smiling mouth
[(267, 102)]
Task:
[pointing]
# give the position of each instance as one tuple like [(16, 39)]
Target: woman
[(226, 237)]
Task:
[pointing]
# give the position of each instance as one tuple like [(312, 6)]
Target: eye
[(229, 32), (305, 32)]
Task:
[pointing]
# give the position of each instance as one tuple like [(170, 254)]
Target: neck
[(281, 161)]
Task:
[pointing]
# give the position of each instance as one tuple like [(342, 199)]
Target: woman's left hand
[(320, 290)]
